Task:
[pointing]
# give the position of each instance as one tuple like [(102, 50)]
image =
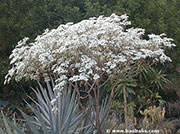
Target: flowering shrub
[(86, 50), (91, 52)]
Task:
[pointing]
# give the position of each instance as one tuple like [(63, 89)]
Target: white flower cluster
[(80, 52)]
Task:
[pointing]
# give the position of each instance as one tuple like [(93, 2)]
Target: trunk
[(125, 107), (97, 110)]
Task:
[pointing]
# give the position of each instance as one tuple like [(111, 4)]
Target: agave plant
[(104, 118), (7, 127), (61, 117)]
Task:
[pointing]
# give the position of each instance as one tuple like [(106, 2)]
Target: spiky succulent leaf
[(64, 119)]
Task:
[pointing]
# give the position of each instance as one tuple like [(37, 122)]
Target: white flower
[(80, 51), (96, 76), (53, 101), (80, 77)]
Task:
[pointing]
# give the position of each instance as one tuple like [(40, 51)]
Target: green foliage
[(128, 84), (142, 91), (28, 18), (156, 79), (150, 84), (4, 66)]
